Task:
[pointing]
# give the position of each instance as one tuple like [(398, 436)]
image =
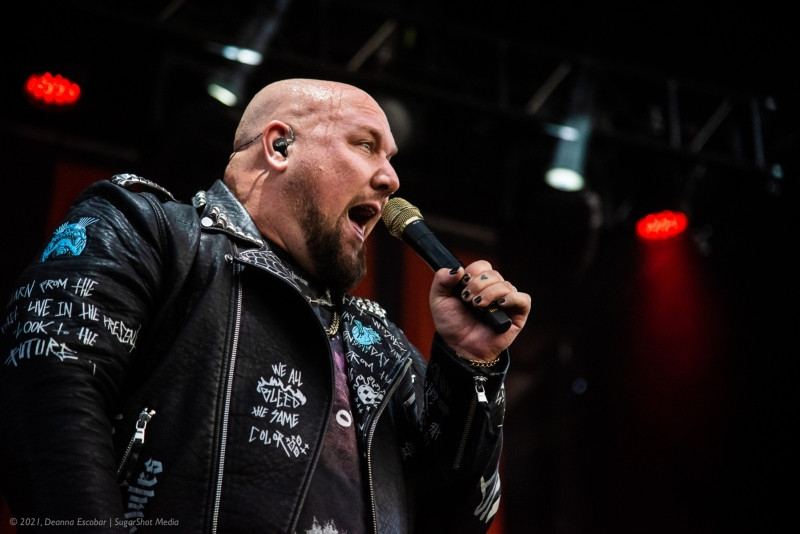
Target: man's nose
[(386, 179)]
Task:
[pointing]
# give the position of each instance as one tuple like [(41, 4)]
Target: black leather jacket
[(162, 367)]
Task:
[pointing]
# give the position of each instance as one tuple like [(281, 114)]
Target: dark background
[(652, 389)]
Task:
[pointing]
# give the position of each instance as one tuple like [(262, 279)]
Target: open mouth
[(362, 214)]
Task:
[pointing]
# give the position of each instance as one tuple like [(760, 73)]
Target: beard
[(334, 267)]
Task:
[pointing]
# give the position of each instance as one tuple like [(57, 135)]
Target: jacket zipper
[(227, 405), (480, 396), (372, 428), (137, 440)]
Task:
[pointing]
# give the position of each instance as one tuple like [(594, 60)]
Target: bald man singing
[(202, 365)]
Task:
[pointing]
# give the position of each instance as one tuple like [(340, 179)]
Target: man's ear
[(277, 138)]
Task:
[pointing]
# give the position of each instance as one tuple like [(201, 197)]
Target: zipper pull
[(479, 389), (141, 424)]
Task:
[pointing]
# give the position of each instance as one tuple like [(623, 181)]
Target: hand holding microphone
[(405, 222)]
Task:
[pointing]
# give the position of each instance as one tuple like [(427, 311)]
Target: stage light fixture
[(52, 90), (662, 225), (567, 170), (245, 56), (257, 33), (228, 86), (224, 94)]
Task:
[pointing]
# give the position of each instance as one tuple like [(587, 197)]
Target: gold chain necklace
[(334, 327), (326, 300)]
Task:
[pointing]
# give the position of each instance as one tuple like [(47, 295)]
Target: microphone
[(405, 222)]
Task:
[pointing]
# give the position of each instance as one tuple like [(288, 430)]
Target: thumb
[(448, 279)]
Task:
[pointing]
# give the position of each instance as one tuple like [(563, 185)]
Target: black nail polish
[(466, 278), (454, 270), (465, 295), (477, 300)]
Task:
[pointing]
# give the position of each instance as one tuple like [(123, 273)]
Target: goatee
[(336, 269)]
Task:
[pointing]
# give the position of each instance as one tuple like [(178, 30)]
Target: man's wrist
[(478, 363)]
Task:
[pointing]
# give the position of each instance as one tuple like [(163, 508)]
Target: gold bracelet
[(479, 363)]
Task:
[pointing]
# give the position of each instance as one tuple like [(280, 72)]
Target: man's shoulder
[(137, 184), (146, 206)]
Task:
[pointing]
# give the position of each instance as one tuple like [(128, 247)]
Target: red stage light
[(52, 90), (663, 225)]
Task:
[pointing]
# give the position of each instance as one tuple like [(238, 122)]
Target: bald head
[(298, 102)]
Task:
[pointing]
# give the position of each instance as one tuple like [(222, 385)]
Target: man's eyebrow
[(380, 138)]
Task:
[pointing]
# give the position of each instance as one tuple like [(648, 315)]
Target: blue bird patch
[(69, 239), (364, 335)]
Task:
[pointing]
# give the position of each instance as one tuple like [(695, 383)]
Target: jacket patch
[(68, 239), (369, 393), (281, 398), (328, 528), (364, 335)]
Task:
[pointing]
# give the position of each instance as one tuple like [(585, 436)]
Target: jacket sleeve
[(68, 338), (464, 411)]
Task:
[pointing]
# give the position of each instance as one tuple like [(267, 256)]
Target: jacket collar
[(220, 211)]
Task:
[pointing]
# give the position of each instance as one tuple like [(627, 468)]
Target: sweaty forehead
[(318, 93), (338, 100), (345, 106)]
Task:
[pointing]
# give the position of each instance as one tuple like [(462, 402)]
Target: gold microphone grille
[(397, 214)]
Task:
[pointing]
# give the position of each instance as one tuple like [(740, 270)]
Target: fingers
[(478, 286), (482, 286)]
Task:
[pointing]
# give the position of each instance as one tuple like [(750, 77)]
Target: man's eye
[(367, 144)]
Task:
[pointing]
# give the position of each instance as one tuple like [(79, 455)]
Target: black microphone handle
[(419, 237)]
